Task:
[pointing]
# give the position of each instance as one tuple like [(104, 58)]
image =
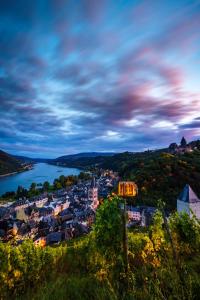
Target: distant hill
[(83, 155), (81, 160), (9, 164), (26, 159)]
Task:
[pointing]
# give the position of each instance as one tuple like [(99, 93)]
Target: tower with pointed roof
[(188, 201), (183, 142), (93, 194)]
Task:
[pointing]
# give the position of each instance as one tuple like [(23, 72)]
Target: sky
[(90, 75)]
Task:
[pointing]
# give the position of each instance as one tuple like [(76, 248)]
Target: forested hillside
[(9, 164), (159, 174)]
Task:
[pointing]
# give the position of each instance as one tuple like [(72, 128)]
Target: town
[(53, 217)]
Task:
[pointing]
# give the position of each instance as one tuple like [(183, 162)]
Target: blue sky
[(93, 75)]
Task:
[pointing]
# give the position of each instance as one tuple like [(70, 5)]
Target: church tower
[(93, 194), (188, 201)]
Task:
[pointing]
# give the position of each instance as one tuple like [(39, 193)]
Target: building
[(147, 215), (134, 213), (21, 203), (93, 194), (188, 202), (180, 149)]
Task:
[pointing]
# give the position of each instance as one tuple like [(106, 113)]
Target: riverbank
[(27, 168), (8, 174)]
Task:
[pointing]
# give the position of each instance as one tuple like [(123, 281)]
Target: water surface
[(40, 173)]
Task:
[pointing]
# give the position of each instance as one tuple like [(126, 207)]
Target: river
[(40, 173)]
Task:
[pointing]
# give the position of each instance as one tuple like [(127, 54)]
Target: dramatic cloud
[(98, 75)]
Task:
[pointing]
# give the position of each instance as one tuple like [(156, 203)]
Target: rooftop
[(188, 195)]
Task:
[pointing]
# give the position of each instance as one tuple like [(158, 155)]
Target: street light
[(126, 189)]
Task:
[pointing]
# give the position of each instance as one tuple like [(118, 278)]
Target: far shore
[(8, 174), (13, 173)]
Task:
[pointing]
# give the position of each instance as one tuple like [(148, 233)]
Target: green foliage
[(75, 287), (9, 164), (24, 266), (108, 227), (46, 186), (159, 174), (91, 267), (187, 230)]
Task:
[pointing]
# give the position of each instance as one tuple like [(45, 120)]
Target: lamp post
[(126, 189)]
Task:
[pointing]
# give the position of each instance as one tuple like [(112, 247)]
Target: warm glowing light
[(127, 188)]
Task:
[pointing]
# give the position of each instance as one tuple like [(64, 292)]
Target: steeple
[(93, 182), (188, 195), (183, 142), (93, 194), (188, 202)]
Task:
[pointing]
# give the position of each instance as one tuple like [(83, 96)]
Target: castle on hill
[(184, 147)]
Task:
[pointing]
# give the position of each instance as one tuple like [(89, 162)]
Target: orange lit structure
[(127, 189)]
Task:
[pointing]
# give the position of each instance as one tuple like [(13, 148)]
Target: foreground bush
[(26, 266)]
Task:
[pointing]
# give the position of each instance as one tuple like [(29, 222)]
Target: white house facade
[(188, 202)]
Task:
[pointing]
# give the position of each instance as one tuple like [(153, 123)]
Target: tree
[(33, 187), (46, 186), (187, 231), (62, 180), (108, 227), (57, 185), (21, 192), (84, 176)]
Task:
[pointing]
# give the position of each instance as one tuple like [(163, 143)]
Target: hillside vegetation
[(163, 264), (158, 174), (8, 164)]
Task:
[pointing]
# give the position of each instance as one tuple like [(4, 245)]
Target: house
[(65, 204), (45, 211), (54, 238), (40, 241), (21, 203), (188, 202), (147, 214), (4, 213), (33, 227), (134, 213), (40, 201)]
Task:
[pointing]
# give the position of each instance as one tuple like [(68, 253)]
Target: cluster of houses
[(54, 217), (62, 215)]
